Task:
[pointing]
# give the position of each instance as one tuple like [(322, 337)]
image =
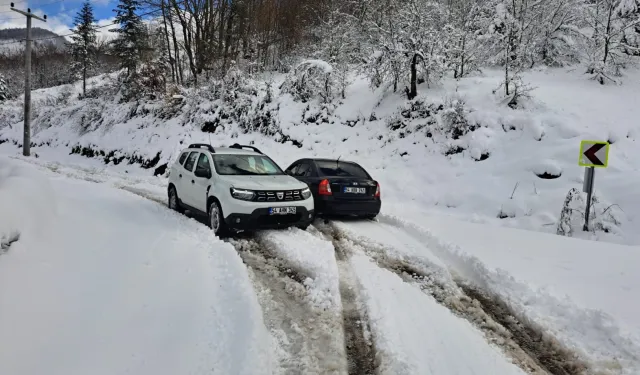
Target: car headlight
[(245, 195), (306, 193)]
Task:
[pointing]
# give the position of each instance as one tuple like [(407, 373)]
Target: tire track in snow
[(358, 340), (310, 339), (524, 342)]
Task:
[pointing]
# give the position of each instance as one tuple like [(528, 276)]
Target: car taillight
[(377, 190), (324, 188)]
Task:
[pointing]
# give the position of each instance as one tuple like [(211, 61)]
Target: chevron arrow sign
[(594, 154)]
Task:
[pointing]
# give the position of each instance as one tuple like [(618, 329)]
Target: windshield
[(341, 169), (245, 165)]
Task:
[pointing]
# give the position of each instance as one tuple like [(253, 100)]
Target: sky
[(60, 14)]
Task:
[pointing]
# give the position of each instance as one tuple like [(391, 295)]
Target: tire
[(371, 217), (216, 219), (303, 226), (173, 201)]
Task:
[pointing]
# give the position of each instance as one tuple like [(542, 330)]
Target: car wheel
[(303, 227), (216, 219), (370, 217), (174, 202)]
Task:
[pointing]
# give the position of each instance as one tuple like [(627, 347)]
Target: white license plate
[(355, 190), (282, 211)]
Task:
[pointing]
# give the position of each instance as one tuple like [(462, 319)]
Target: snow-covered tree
[(4, 90), (468, 21), (340, 40), (557, 36), (408, 44), (83, 44), (131, 42), (612, 22)]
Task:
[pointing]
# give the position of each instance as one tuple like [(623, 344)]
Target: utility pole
[(26, 142)]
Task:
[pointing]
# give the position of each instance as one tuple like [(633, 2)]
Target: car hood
[(279, 182)]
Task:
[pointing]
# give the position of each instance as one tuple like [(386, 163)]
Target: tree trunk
[(166, 35), (413, 91)]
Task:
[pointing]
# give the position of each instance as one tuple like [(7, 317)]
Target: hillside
[(454, 150), (49, 40)]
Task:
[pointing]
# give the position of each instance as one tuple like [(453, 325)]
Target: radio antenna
[(210, 139)]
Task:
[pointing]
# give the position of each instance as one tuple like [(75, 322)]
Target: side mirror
[(202, 173)]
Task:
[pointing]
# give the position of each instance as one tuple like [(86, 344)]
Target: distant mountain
[(49, 40), (21, 33)]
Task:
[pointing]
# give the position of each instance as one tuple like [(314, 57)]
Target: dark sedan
[(340, 188)]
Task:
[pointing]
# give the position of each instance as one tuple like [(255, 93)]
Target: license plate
[(355, 190), (282, 211)]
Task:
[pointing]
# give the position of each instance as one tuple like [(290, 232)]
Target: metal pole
[(26, 139), (26, 142), (590, 175)]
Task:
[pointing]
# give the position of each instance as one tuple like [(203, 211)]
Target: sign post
[(593, 154)]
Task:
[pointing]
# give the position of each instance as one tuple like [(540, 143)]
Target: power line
[(70, 34)]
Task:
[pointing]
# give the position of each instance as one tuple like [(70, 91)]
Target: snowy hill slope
[(454, 150)]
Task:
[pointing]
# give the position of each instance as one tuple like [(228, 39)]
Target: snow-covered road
[(118, 284), (118, 277)]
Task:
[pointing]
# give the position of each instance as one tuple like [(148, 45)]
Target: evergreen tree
[(132, 36), (83, 43)]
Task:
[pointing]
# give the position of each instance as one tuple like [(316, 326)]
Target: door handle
[(193, 182)]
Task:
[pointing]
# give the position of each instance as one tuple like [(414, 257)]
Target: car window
[(341, 169), (293, 169), (303, 170), (183, 157), (245, 165), (191, 160), (203, 164)]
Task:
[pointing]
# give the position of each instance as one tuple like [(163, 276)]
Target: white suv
[(237, 189)]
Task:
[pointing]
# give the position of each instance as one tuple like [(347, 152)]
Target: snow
[(311, 256), (26, 203), (584, 292), (468, 191), (120, 284), (416, 335)]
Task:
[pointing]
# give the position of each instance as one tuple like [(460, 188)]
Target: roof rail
[(203, 145), (235, 145)]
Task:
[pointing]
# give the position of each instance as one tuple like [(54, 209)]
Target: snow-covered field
[(111, 283), (453, 212)]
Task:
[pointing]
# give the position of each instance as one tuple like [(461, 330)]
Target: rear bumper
[(260, 219), (331, 206)]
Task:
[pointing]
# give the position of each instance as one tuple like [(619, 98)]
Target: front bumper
[(260, 219)]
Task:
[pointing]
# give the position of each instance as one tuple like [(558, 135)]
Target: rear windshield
[(341, 169), (245, 165)]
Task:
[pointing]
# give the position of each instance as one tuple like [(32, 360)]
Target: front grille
[(278, 196)]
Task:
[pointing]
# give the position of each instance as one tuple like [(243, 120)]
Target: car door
[(185, 190), (201, 182)]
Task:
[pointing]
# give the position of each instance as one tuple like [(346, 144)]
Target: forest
[(398, 44)]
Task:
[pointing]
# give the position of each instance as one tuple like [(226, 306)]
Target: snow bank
[(121, 284), (583, 292), (312, 257), (27, 202), (416, 335)]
